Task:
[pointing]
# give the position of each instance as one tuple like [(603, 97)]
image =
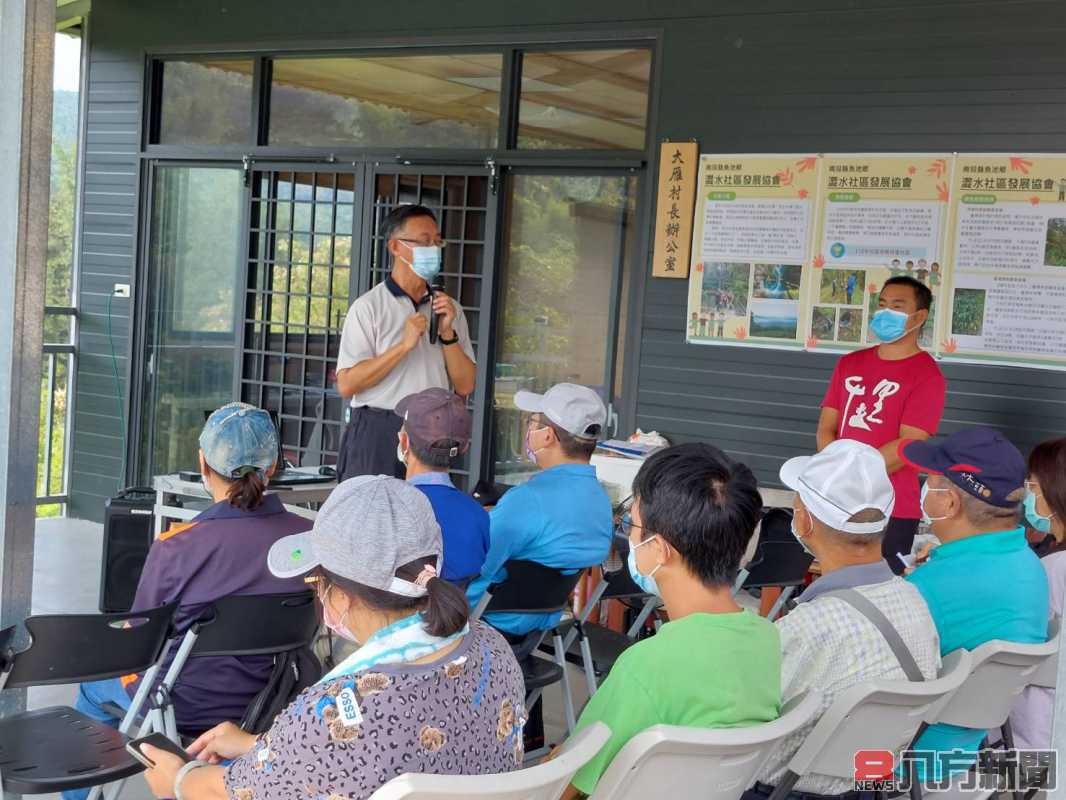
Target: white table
[(171, 489), (621, 471)]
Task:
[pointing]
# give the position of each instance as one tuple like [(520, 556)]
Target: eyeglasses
[(438, 242), (320, 586), (625, 525)]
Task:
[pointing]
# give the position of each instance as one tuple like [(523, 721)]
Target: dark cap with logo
[(436, 420), (980, 461)]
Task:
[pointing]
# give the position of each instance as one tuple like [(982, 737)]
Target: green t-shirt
[(702, 671)]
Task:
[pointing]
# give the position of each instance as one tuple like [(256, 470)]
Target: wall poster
[(751, 242), (879, 216), (1008, 288)]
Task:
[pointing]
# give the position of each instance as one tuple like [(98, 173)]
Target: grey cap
[(576, 409), (368, 528)]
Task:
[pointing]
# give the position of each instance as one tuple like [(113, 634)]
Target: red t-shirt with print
[(875, 397)]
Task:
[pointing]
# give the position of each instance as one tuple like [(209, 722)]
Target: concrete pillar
[(27, 31)]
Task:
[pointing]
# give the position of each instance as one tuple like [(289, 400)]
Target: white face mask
[(799, 538), (339, 626), (926, 489)]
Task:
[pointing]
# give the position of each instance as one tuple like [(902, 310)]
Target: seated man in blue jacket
[(436, 432), (561, 517), (983, 582)]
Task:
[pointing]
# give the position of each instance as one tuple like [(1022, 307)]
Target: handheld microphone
[(433, 318)]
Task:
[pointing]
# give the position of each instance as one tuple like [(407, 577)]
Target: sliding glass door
[(192, 270), (568, 245)]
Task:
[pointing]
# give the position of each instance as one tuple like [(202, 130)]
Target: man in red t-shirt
[(884, 394)]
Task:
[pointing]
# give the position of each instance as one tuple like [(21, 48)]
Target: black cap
[(980, 461)]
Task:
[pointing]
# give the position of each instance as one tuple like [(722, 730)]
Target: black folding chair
[(55, 749), (280, 625), (779, 562), (595, 647), (532, 588)]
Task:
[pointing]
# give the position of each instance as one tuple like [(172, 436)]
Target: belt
[(767, 790), (373, 410)]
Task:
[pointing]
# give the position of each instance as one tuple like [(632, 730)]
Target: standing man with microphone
[(385, 350)]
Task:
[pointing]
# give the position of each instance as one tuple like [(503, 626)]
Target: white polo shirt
[(375, 323)]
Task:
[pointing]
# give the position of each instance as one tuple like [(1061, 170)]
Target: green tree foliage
[(57, 327)]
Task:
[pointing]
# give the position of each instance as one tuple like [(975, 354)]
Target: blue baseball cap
[(239, 438), (980, 461)]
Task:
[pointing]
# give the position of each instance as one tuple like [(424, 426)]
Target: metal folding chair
[(58, 748), (532, 588)]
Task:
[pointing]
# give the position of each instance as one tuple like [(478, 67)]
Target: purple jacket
[(222, 552)]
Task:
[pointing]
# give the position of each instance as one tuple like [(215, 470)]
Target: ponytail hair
[(246, 492), (444, 608)]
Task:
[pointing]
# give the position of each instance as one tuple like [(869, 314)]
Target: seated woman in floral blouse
[(426, 691)]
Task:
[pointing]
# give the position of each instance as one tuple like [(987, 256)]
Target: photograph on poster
[(1055, 243), (725, 288), (849, 329), (842, 286), (777, 281), (774, 319), (823, 326), (968, 314)]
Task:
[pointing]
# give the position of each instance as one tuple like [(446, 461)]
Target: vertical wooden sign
[(678, 164)]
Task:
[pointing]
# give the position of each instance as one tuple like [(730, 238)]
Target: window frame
[(506, 150), (501, 160)]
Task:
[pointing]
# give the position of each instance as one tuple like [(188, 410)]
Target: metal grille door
[(299, 278), (465, 203)]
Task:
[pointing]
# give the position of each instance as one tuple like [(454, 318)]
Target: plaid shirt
[(829, 646)]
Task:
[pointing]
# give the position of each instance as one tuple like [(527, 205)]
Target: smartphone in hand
[(155, 740)]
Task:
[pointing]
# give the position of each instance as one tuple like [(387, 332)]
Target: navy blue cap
[(980, 461)]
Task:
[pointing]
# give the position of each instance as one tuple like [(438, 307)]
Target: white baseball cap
[(576, 409), (847, 477)]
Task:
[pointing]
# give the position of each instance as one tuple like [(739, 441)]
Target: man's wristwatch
[(453, 340)]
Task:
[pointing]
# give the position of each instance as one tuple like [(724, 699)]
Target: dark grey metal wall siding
[(109, 243), (738, 75), (910, 77)]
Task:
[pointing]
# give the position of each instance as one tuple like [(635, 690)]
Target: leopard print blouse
[(462, 714)]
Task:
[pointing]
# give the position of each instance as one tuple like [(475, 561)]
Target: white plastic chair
[(999, 673), (712, 764), (874, 715), (545, 781)]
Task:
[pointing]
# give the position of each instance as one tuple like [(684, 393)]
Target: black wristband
[(453, 340)]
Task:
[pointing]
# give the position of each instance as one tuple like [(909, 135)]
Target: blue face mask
[(1036, 520), (426, 263), (647, 582), (890, 326)]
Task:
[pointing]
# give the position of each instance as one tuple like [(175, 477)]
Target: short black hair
[(572, 446), (398, 217), (703, 503), (923, 295), (436, 458)]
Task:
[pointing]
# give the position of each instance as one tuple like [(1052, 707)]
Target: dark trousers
[(899, 538), (368, 446)]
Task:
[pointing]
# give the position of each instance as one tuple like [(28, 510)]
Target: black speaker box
[(128, 533)]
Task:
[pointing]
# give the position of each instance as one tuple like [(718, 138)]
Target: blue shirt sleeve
[(511, 523)]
